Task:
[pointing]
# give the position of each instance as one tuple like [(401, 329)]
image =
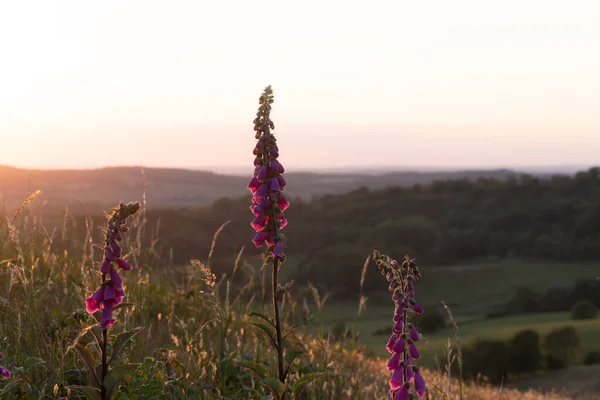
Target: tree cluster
[(443, 222)]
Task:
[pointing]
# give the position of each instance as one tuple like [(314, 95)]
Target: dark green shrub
[(431, 321), (524, 301), (488, 358), (551, 363), (524, 352), (592, 357), (561, 344), (584, 309)]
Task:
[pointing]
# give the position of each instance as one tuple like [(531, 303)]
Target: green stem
[(278, 325), (104, 395)]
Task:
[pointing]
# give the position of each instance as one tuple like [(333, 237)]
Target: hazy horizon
[(384, 84)]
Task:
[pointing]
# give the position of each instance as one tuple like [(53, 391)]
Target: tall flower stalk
[(268, 205), (106, 299), (401, 344)]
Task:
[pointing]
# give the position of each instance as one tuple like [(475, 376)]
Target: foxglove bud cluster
[(111, 291), (401, 344), (267, 184), (4, 373)]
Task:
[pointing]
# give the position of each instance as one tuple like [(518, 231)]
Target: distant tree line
[(444, 222), (585, 293)]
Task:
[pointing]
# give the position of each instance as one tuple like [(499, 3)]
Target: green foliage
[(146, 382), (431, 321), (524, 352), (584, 309), (562, 345), (525, 301), (489, 358), (443, 222), (591, 358)]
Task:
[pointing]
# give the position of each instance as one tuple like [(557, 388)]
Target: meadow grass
[(194, 331)]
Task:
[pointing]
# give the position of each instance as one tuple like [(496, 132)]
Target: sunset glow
[(390, 83)]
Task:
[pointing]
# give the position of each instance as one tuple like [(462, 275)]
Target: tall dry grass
[(194, 330)]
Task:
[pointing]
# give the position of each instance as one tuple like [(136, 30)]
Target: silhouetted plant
[(105, 300), (401, 343), (268, 205)]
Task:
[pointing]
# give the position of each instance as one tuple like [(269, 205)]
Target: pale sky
[(408, 83)]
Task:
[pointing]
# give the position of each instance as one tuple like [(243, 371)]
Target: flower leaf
[(10, 386), (266, 329), (31, 363), (290, 355), (97, 332), (87, 357), (275, 386), (263, 316), (259, 369), (111, 380), (121, 341), (89, 392), (301, 384)]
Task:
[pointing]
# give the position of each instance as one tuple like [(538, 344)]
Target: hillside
[(174, 188)]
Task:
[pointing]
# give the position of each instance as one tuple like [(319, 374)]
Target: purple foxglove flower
[(277, 167), (111, 296), (398, 326), (282, 220), (418, 309), (282, 183), (409, 373), (254, 185), (263, 191), (260, 238), (420, 384), (124, 265), (263, 173), (275, 190), (414, 335), (115, 278), (393, 362), (397, 378), (105, 268), (260, 222), (92, 303), (398, 314), (109, 255), (282, 202), (402, 394), (412, 350), (399, 345), (107, 318), (275, 152), (115, 248), (5, 373), (278, 249), (270, 240), (390, 344)]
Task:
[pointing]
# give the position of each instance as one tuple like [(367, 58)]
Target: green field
[(471, 291)]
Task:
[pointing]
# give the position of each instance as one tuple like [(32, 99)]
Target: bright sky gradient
[(394, 83)]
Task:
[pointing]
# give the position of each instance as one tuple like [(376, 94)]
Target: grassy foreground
[(193, 329)]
